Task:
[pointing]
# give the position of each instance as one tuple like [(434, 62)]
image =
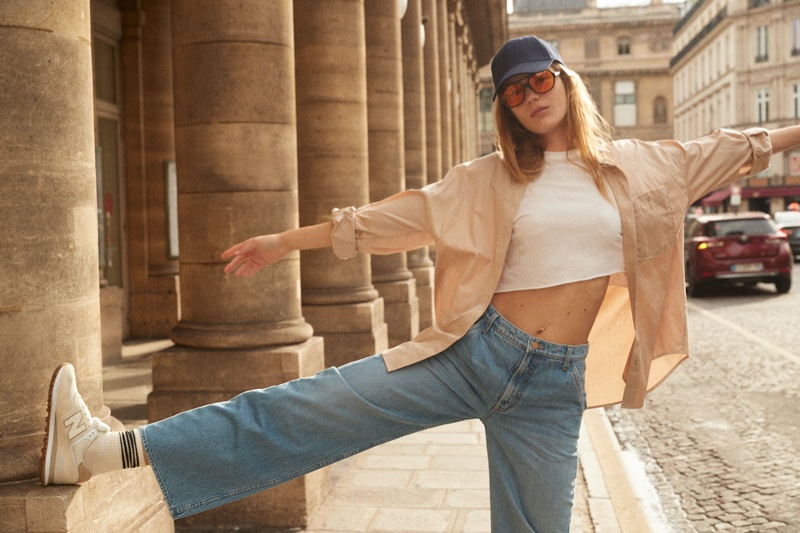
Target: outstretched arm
[(250, 256), (785, 138)]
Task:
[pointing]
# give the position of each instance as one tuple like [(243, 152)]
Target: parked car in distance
[(784, 218), (729, 249), (792, 232)]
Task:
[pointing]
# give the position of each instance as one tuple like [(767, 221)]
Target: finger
[(235, 262), (231, 251), (250, 268), (246, 271)]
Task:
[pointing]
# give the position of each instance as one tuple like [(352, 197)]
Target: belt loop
[(567, 359), (489, 320)]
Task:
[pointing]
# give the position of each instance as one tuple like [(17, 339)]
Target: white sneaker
[(70, 430)]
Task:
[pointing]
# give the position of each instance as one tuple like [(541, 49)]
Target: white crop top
[(564, 230)]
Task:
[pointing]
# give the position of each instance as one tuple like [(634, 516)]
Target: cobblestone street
[(720, 439)]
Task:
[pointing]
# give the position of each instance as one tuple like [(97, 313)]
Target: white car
[(787, 218)]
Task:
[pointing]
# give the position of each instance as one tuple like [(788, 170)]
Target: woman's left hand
[(250, 256)]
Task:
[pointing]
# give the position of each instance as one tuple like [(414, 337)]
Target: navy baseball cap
[(523, 55)]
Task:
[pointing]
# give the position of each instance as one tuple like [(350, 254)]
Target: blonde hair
[(587, 130)]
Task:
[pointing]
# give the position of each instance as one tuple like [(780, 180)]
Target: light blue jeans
[(528, 393)]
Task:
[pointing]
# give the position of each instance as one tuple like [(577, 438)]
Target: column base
[(352, 331), (424, 277), (184, 378), (401, 307), (237, 336), (287, 506), (125, 501)]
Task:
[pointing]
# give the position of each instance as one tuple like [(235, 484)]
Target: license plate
[(747, 267)]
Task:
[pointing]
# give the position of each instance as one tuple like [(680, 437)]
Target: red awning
[(770, 192), (718, 196)]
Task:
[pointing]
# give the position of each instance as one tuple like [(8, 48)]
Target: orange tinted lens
[(513, 95), (541, 82)]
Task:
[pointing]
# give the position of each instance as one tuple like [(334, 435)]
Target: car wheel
[(693, 289), (783, 285)]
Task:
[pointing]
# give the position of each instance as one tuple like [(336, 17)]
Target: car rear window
[(744, 226)]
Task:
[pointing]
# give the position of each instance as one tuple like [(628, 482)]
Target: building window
[(795, 37), (591, 47), (762, 105), (727, 53), (761, 44), (624, 103), (623, 46), (660, 110), (104, 56), (795, 100), (595, 93), (486, 123), (108, 155)]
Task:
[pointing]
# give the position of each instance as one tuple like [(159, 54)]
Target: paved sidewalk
[(438, 481), (433, 481)]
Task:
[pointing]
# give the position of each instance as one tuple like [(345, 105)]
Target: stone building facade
[(623, 53), (736, 64), (141, 138)]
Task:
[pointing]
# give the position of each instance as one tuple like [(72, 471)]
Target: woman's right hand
[(250, 256)]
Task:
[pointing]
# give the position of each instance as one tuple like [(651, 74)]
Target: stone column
[(471, 86), (49, 300), (445, 85), (235, 143), (455, 73), (390, 273), (134, 155), (459, 103), (433, 108), (466, 97), (332, 139), (414, 125), (154, 306), (433, 119)]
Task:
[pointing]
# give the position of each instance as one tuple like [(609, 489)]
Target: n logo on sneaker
[(75, 425)]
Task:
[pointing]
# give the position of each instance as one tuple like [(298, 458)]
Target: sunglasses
[(513, 94)]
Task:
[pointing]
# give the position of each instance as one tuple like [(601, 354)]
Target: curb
[(613, 503)]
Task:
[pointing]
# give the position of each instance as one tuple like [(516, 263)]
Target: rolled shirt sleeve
[(720, 158), (402, 222), (343, 234), (761, 146)]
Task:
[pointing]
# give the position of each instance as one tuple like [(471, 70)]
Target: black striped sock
[(129, 449)]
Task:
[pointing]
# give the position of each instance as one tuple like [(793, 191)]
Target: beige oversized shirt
[(640, 334)]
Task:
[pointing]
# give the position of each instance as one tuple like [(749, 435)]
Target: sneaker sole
[(47, 450)]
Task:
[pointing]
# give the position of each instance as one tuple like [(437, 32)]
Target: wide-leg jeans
[(528, 393)]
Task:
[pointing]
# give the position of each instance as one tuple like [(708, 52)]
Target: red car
[(744, 248)]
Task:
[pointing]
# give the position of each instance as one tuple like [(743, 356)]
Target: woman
[(562, 240)]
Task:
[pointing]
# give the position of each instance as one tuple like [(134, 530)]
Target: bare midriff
[(563, 314)]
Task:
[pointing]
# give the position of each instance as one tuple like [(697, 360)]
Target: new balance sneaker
[(70, 431)]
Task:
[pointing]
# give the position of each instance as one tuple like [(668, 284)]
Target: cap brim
[(524, 68)]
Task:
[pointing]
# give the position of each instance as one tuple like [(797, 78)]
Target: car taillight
[(709, 244)]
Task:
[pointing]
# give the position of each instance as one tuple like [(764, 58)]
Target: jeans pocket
[(578, 369)]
